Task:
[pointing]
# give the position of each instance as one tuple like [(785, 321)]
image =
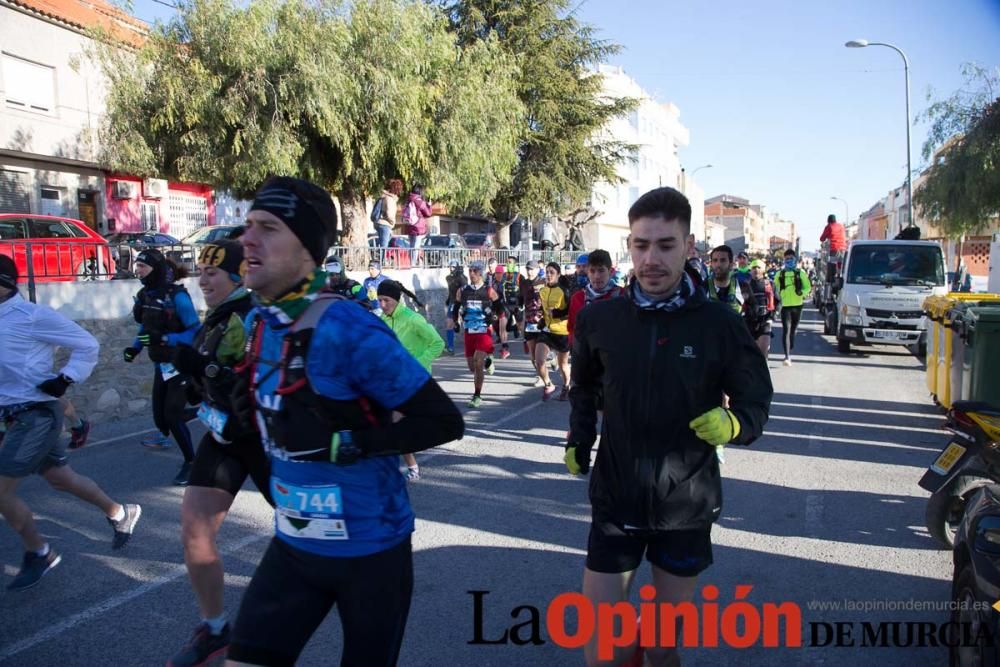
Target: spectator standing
[(387, 218)]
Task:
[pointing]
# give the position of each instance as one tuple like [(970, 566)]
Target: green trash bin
[(981, 362), (957, 319)]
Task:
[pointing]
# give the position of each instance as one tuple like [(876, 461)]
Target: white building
[(656, 129), (51, 106)]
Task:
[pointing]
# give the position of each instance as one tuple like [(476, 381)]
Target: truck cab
[(881, 290)]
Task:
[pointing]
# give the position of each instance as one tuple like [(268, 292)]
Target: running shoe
[(548, 391), (202, 647), (489, 364), (450, 351), (475, 402), (412, 474), (787, 361), (183, 475), (564, 394), (155, 441), (33, 568), (504, 353), (78, 435), (123, 528)]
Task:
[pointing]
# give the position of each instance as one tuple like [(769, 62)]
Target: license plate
[(948, 458), (887, 335)]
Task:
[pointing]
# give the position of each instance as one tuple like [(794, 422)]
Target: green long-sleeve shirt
[(416, 334)]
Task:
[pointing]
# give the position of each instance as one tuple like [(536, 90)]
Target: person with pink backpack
[(415, 215)]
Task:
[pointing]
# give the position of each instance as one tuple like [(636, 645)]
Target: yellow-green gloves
[(716, 427), (577, 459)]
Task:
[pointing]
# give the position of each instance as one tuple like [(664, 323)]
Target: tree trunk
[(502, 239), (354, 226)]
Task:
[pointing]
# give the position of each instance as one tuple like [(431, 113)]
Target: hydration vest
[(509, 285), (476, 308), (216, 384), (295, 414), (732, 294), (158, 317), (797, 278), (762, 295)]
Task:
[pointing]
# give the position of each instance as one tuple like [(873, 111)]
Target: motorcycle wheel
[(946, 507)]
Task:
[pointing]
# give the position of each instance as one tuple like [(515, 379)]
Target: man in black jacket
[(665, 357)]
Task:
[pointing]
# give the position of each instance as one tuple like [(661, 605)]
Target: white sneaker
[(787, 361)]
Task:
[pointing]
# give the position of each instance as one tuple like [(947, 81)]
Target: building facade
[(743, 223), (52, 107), (656, 130)]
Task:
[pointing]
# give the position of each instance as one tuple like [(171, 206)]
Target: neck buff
[(593, 294), (671, 303), (285, 309), (237, 293)]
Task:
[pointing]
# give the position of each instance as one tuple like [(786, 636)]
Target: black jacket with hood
[(659, 370)]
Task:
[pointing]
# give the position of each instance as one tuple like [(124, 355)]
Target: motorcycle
[(969, 461), (975, 584)]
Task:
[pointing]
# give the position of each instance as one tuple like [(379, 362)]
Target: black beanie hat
[(161, 273), (8, 272), (391, 289), (224, 254), (306, 208)]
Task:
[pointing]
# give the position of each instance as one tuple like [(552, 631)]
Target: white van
[(881, 293)]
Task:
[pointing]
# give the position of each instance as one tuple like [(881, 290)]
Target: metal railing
[(429, 257), (60, 260)]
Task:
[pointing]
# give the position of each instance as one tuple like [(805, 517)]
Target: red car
[(62, 249)]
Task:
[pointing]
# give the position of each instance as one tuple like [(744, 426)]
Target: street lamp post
[(862, 43), (704, 166), (847, 211)]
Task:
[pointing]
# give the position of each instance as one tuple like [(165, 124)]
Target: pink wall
[(126, 211)]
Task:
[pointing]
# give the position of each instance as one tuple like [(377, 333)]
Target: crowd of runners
[(314, 385)]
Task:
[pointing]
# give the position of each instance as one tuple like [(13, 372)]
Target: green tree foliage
[(348, 97), (562, 152), (961, 193)]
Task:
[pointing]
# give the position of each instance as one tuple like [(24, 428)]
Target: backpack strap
[(311, 317)]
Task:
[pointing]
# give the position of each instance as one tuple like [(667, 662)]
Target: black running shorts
[(292, 591), (555, 342), (761, 329), (614, 548), (226, 467)]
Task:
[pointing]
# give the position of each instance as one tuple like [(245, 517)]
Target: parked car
[(213, 233), (125, 246), (477, 240), (62, 249), (479, 245), (439, 248)]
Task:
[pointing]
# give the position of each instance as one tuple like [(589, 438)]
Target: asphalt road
[(823, 509)]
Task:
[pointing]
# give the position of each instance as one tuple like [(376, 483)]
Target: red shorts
[(478, 342)]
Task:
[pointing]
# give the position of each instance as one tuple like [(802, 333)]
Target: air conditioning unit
[(154, 188), (123, 190)]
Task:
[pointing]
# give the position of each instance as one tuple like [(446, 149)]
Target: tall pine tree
[(561, 152)]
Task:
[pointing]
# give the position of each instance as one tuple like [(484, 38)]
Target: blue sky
[(774, 100)]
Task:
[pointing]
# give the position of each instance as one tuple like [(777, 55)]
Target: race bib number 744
[(314, 512)]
